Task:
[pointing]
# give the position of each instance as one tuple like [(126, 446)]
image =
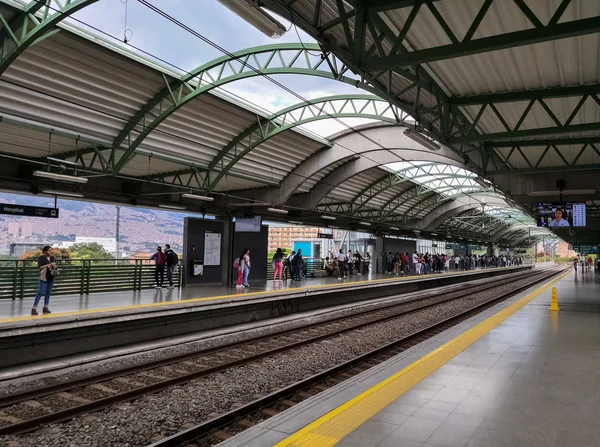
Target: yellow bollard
[(554, 302)]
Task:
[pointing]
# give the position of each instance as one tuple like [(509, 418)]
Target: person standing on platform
[(405, 264), (278, 264), (160, 260), (575, 265), (246, 267), (172, 261), (48, 271), (341, 264), (415, 263)]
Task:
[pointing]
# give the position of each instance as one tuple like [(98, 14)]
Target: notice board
[(212, 248)]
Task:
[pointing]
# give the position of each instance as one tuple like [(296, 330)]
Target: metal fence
[(20, 279)]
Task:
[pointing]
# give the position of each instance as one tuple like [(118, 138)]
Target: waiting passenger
[(328, 267), (278, 264), (341, 264), (48, 271), (172, 261), (160, 260)]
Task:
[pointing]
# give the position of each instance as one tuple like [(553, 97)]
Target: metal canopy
[(491, 75), (144, 135)]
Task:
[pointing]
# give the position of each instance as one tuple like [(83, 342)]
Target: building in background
[(20, 229), (108, 243), (563, 251), (17, 249), (284, 237)]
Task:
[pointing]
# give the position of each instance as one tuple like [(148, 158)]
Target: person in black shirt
[(47, 266), (172, 261)]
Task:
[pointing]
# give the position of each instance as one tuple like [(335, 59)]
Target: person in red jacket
[(159, 272)]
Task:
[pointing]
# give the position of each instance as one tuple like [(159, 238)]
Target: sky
[(149, 31)]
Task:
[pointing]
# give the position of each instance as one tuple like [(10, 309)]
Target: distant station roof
[(143, 134), (512, 85)]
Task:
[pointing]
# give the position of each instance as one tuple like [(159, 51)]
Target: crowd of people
[(424, 263)]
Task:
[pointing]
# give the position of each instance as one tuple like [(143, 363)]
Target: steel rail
[(208, 427), (62, 415)]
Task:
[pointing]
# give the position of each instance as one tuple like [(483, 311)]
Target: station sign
[(325, 235), (30, 211), (585, 249)]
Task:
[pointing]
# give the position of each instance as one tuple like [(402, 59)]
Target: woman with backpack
[(48, 271), (239, 264)]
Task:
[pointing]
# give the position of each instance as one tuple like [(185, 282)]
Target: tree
[(58, 253), (63, 255), (91, 250)]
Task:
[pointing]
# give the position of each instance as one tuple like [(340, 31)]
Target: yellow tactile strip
[(264, 293), (337, 424)]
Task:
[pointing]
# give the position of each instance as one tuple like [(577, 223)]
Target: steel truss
[(267, 60), (386, 60), (36, 22), (340, 106)]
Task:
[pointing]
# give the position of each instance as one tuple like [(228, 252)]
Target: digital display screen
[(559, 215), (247, 224)]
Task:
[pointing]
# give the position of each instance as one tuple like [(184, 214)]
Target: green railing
[(20, 279)]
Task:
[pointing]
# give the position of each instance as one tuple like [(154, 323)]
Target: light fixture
[(295, 222), (197, 197), (564, 192), (255, 16), (62, 193), (448, 236), (60, 177), (172, 207), (366, 224), (395, 228), (326, 217), (422, 139), (278, 210), (332, 227), (434, 234), (61, 161)]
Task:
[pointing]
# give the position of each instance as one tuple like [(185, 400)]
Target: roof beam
[(543, 142), (339, 106), (527, 133), (556, 92), (483, 45), (286, 58), (386, 5), (37, 21)]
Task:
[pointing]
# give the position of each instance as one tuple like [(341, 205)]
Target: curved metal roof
[(143, 134)]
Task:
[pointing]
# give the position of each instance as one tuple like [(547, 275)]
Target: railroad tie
[(10, 419), (73, 398), (100, 387), (222, 435)]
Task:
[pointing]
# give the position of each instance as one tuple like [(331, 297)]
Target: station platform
[(96, 327), (517, 374), (78, 305)]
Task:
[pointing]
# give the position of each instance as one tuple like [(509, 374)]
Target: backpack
[(236, 263), (172, 258)]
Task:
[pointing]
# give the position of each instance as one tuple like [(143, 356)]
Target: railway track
[(23, 412), (225, 426)]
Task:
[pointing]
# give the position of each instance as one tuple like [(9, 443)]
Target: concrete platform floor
[(532, 380), (74, 303)]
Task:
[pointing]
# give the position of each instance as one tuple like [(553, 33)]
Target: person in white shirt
[(341, 264), (558, 220), (415, 263), (456, 262)]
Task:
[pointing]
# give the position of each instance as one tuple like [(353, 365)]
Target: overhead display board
[(560, 215), (30, 211)]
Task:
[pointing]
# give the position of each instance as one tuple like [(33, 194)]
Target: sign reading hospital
[(30, 211)]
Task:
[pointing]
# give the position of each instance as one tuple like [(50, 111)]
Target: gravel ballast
[(140, 422)]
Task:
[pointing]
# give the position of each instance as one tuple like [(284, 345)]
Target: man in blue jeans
[(47, 266)]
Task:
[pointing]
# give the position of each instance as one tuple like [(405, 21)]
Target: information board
[(32, 211), (324, 235), (212, 248)]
